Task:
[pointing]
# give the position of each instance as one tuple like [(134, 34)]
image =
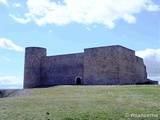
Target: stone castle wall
[(111, 65), (126, 66), (32, 67), (62, 69), (140, 71), (100, 66)]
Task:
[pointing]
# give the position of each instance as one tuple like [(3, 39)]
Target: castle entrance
[(78, 81)]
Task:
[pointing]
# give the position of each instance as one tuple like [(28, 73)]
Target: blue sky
[(69, 26)]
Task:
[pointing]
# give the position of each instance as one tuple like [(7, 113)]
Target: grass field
[(136, 102)]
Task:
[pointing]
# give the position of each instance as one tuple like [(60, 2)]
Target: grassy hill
[(84, 103)]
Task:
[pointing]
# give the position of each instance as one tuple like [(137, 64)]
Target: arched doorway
[(78, 81)]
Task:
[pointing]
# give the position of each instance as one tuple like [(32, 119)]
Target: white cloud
[(20, 20), (152, 7), (5, 58), (17, 5), (87, 12), (89, 28), (4, 2), (151, 59), (8, 44), (129, 18), (11, 82)]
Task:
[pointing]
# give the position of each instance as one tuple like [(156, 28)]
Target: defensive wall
[(110, 65)]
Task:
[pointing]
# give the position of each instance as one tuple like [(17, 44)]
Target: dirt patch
[(13, 93)]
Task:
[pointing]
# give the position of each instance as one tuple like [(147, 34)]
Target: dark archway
[(78, 81)]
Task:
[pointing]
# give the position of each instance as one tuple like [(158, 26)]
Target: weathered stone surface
[(62, 69), (110, 65), (13, 93), (32, 70)]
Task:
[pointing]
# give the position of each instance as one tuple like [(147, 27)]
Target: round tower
[(32, 66)]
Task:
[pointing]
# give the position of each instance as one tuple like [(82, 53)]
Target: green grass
[(83, 103)]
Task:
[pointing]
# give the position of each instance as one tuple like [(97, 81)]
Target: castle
[(110, 65)]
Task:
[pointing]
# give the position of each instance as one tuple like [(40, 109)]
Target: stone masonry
[(110, 65)]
